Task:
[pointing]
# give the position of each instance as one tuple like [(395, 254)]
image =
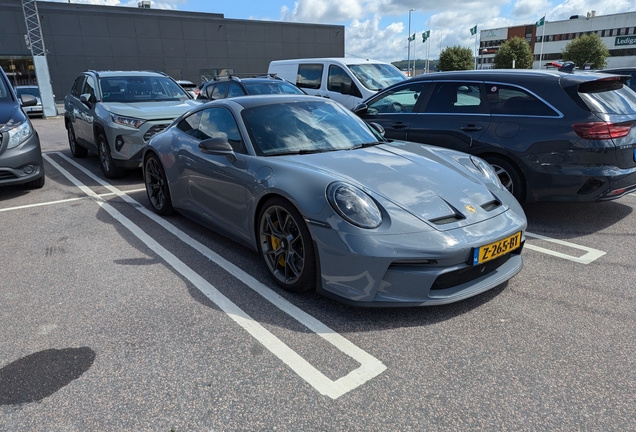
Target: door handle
[(399, 125), (326, 97), (471, 128)]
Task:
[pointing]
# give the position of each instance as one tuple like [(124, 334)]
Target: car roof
[(250, 101), (109, 73), (343, 60), (620, 69), (512, 75)]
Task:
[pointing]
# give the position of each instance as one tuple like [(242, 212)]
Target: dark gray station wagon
[(550, 136)]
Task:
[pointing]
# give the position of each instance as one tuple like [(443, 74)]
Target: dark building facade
[(185, 45)]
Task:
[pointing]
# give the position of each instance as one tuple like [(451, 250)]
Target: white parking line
[(370, 367), (590, 255), (63, 201)]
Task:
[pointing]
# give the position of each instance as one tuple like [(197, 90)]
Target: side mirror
[(28, 100), (345, 88), (378, 127), (361, 108), (86, 99), (218, 146)]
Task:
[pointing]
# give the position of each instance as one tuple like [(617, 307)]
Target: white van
[(346, 80)]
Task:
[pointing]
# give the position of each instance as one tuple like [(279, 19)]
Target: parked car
[(628, 71), (329, 204), (190, 87), (550, 136), (114, 114), (346, 80), (233, 86), (33, 91), (20, 152)]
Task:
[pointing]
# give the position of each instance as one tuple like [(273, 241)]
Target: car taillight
[(601, 130)]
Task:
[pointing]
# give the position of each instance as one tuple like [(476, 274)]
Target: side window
[(510, 100), (190, 124), (336, 78), (309, 76), (456, 98), (209, 90), (89, 88), (77, 86), (235, 90), (219, 123), (219, 91), (400, 100)]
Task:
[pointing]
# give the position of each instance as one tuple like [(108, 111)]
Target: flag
[(540, 22), (412, 38), (426, 35), (473, 31)]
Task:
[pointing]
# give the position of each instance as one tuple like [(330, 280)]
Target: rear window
[(271, 88), (608, 97)]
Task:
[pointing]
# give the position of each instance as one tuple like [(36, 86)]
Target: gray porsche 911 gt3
[(331, 205)]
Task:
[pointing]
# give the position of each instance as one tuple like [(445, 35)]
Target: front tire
[(286, 246), (38, 183), (109, 168), (509, 175), (76, 150), (157, 186)]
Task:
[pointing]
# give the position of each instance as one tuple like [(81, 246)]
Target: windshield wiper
[(304, 151), (369, 144)]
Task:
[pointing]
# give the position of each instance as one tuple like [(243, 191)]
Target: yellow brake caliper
[(276, 245)]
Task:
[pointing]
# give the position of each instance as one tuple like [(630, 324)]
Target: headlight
[(19, 134), (486, 170), (127, 121), (355, 206)]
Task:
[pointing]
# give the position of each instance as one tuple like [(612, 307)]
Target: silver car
[(20, 151), (35, 92), (114, 114), (329, 204)]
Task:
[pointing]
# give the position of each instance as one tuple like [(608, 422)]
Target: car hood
[(10, 115), (428, 183), (151, 110)]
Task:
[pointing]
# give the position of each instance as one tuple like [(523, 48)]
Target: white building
[(617, 31)]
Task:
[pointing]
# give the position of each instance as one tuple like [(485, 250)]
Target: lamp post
[(408, 56)]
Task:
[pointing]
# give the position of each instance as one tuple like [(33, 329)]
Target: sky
[(379, 29)]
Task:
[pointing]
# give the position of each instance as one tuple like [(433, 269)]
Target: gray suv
[(115, 113)]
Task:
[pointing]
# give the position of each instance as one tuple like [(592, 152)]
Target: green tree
[(456, 58), (586, 50), (516, 49)]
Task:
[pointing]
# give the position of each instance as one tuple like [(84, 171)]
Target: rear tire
[(509, 175), (76, 150), (109, 168)]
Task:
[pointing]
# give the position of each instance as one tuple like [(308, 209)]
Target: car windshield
[(305, 127), (140, 89), (256, 88), (377, 76), (33, 91), (608, 97)]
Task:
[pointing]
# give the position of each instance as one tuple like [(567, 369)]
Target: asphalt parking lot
[(115, 319)]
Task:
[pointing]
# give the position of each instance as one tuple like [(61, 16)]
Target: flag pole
[(475, 49), (542, 39), (428, 50)]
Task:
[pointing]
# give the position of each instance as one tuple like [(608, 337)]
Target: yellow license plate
[(496, 249)]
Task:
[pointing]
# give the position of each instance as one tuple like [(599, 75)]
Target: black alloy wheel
[(109, 168), (285, 244), (76, 150), (157, 186)]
